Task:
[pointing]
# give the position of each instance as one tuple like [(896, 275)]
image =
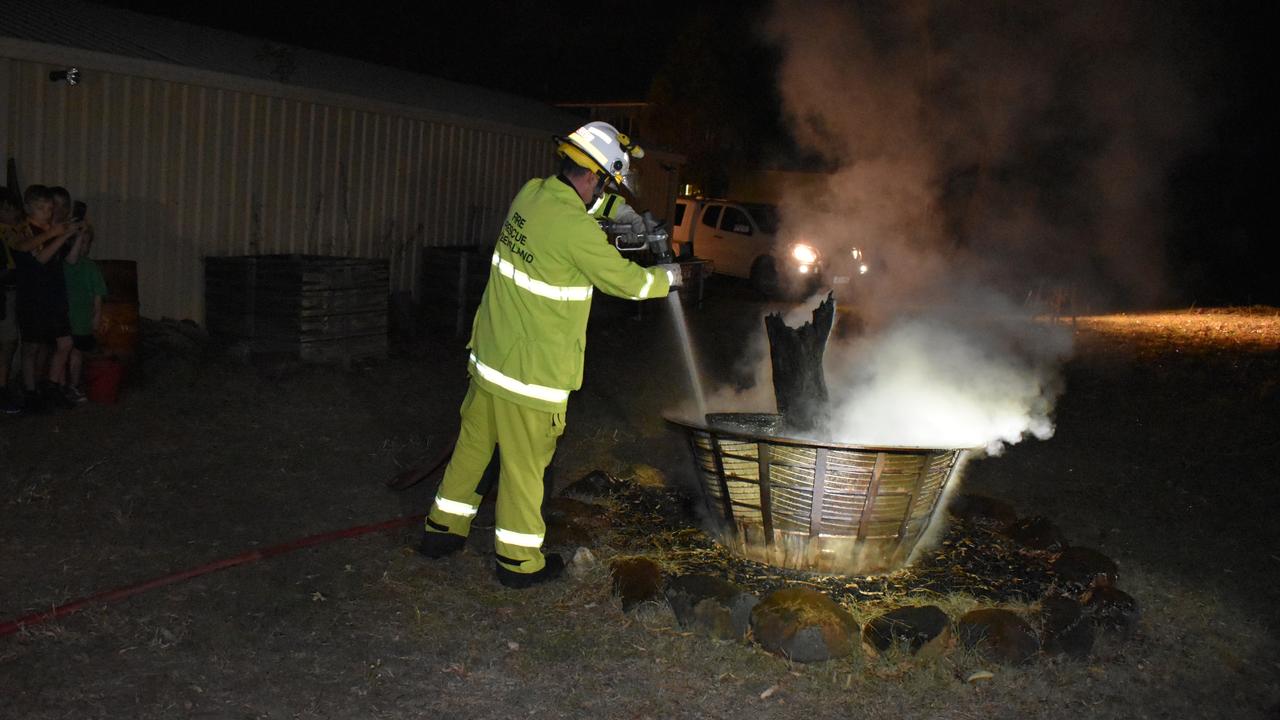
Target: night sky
[(551, 51), (1218, 193)]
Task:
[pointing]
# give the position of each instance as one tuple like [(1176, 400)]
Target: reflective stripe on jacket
[(530, 332), (606, 206)]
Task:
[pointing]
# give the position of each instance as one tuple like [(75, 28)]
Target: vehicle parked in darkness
[(740, 239)]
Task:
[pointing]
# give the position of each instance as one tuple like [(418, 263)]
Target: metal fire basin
[(818, 507)]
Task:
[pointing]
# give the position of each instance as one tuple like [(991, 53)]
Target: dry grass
[(1237, 329), (1161, 461)]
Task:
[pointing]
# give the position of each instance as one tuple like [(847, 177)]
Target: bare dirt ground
[(1164, 458)]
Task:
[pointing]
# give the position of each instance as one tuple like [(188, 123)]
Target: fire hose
[(128, 591), (406, 479)]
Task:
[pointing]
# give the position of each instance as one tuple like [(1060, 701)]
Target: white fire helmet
[(600, 147)]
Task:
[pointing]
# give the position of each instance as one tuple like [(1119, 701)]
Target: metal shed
[(189, 142)]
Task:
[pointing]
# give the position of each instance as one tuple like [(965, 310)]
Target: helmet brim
[(569, 149)]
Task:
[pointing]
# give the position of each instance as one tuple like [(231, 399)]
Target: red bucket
[(102, 380)]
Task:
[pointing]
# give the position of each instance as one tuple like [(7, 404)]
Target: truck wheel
[(764, 277)]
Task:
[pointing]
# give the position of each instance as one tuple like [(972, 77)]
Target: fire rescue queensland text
[(514, 239)]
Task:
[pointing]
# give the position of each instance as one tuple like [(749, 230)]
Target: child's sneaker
[(55, 395), (75, 394), (33, 402), (9, 405)]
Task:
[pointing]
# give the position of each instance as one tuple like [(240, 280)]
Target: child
[(85, 291), (42, 298), (10, 216)]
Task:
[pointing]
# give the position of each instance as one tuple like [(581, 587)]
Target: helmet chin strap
[(601, 181)]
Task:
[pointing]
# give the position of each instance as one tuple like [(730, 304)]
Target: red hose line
[(108, 596)]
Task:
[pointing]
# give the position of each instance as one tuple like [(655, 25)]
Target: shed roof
[(76, 24)]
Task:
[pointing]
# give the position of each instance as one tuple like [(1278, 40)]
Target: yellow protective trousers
[(527, 439)]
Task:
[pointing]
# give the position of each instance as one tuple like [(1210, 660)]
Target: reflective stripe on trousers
[(453, 507), (512, 537)]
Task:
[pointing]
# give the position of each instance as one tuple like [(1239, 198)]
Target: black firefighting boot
[(436, 545), (550, 571)]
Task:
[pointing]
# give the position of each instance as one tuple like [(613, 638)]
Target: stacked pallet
[(319, 309), (453, 280)]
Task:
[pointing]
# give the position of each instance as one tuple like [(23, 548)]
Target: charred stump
[(799, 385)]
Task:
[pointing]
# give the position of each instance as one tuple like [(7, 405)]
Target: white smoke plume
[(990, 159), (948, 378), (978, 374)]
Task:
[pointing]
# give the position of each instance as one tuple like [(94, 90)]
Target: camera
[(78, 210)]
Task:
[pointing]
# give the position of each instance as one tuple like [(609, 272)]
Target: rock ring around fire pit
[(819, 507)]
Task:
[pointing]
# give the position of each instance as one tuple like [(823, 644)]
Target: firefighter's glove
[(674, 274)]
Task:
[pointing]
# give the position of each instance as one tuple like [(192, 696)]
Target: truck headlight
[(859, 260), (804, 254)]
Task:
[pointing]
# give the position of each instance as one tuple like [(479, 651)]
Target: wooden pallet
[(453, 281), (321, 309)]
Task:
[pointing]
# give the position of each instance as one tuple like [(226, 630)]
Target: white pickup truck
[(740, 239)]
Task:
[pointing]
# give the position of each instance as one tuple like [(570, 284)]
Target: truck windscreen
[(766, 216)]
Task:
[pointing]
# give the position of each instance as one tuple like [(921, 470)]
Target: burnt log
[(799, 384)]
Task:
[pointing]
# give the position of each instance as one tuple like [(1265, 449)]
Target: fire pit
[(818, 507)]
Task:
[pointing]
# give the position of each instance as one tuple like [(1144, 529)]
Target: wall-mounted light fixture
[(70, 76)]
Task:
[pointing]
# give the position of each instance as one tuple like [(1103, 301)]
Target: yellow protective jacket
[(530, 332)]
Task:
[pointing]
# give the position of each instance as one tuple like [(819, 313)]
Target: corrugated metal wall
[(177, 169)]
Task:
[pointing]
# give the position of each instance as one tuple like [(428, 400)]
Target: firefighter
[(526, 349)]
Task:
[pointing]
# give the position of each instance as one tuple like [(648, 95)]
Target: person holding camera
[(44, 240), (11, 215)]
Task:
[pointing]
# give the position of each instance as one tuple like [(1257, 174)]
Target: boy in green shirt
[(85, 292)]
